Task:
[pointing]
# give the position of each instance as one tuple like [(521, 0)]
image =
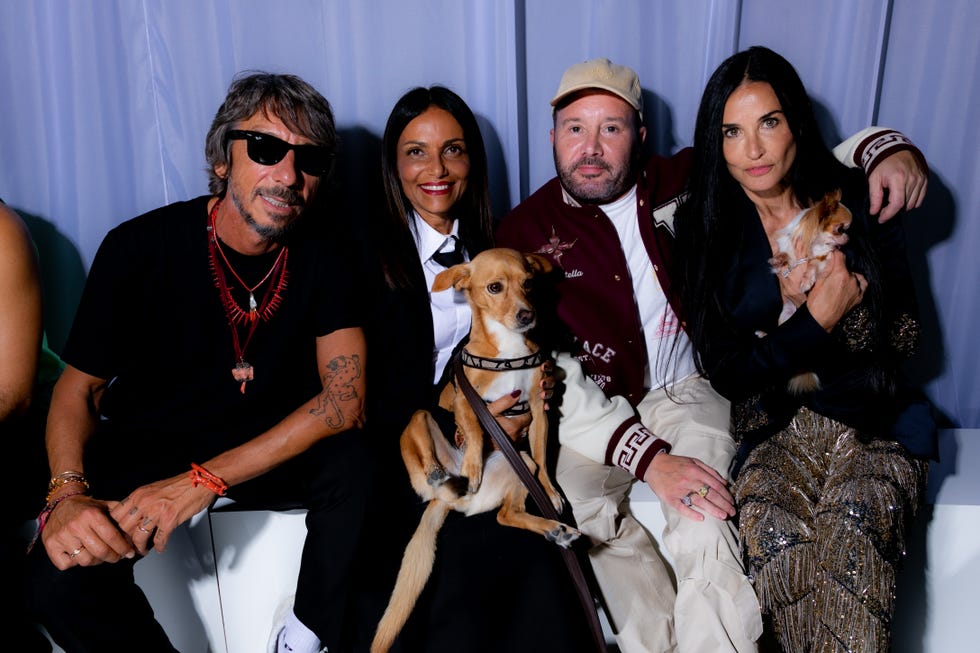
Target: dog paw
[(778, 262), (557, 501), (562, 535), (437, 476), (473, 487), (474, 476)]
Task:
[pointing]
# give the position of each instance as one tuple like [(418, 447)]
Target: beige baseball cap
[(604, 75)]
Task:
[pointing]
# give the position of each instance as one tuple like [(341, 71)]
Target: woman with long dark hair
[(493, 588), (826, 479)]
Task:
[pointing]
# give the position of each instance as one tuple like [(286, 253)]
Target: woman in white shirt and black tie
[(493, 588)]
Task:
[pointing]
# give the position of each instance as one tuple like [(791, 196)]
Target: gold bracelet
[(64, 478)]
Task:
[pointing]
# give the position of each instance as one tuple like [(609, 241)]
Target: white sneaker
[(308, 642), (279, 623)]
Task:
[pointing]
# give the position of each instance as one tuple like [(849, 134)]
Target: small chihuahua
[(816, 231)]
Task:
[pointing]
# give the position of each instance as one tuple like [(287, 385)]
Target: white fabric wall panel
[(107, 102), (834, 45), (673, 46), (931, 90)]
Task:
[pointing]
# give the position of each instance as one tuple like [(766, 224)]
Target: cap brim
[(592, 86)]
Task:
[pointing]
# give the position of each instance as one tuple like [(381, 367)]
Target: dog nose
[(525, 316)]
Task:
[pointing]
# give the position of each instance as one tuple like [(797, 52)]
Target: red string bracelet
[(201, 476)]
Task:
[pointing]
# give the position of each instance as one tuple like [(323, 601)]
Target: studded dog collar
[(504, 365)]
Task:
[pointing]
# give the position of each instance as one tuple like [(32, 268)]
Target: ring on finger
[(77, 550), (686, 499), (703, 491)]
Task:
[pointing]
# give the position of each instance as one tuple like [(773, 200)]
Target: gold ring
[(145, 530), (703, 491), (76, 551)]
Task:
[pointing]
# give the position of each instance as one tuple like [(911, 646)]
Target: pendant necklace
[(243, 371)]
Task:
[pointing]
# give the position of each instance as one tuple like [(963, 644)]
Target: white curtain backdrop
[(105, 105)]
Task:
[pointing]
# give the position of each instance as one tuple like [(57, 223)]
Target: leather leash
[(503, 442)]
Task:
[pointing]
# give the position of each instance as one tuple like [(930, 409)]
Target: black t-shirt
[(151, 321)]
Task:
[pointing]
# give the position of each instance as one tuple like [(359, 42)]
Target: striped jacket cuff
[(880, 145), (632, 447)]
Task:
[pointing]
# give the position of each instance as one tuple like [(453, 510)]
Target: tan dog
[(815, 233), (499, 358)]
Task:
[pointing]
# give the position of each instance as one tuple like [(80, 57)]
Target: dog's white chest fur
[(506, 382), (509, 345)]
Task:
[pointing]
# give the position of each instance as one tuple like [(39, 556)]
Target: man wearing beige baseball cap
[(601, 75), (634, 406)]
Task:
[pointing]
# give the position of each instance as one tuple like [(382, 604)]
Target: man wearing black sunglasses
[(217, 350), (268, 150)]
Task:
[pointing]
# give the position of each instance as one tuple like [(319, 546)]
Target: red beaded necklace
[(243, 371)]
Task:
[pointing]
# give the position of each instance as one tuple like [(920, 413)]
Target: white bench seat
[(224, 575)]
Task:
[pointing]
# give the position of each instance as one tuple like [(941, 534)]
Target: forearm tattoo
[(338, 387)]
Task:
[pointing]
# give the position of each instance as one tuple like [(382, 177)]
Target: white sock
[(295, 637)]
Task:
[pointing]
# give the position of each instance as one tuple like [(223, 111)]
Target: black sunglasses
[(268, 150)]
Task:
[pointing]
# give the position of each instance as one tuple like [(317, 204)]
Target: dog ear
[(831, 201), (825, 207), (539, 264), (454, 276)]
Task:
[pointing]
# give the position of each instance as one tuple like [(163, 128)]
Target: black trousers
[(101, 608), (23, 439), (493, 588)]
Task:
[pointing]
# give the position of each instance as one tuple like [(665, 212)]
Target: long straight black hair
[(395, 241), (708, 231)]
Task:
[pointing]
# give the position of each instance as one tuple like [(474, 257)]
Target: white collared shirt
[(451, 313), (660, 323)]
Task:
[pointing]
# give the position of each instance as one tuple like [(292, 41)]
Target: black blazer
[(861, 379), (525, 602)]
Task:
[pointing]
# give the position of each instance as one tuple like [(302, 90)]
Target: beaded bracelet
[(42, 518), (64, 478), (201, 476)]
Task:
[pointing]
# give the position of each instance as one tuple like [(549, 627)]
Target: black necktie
[(452, 257)]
